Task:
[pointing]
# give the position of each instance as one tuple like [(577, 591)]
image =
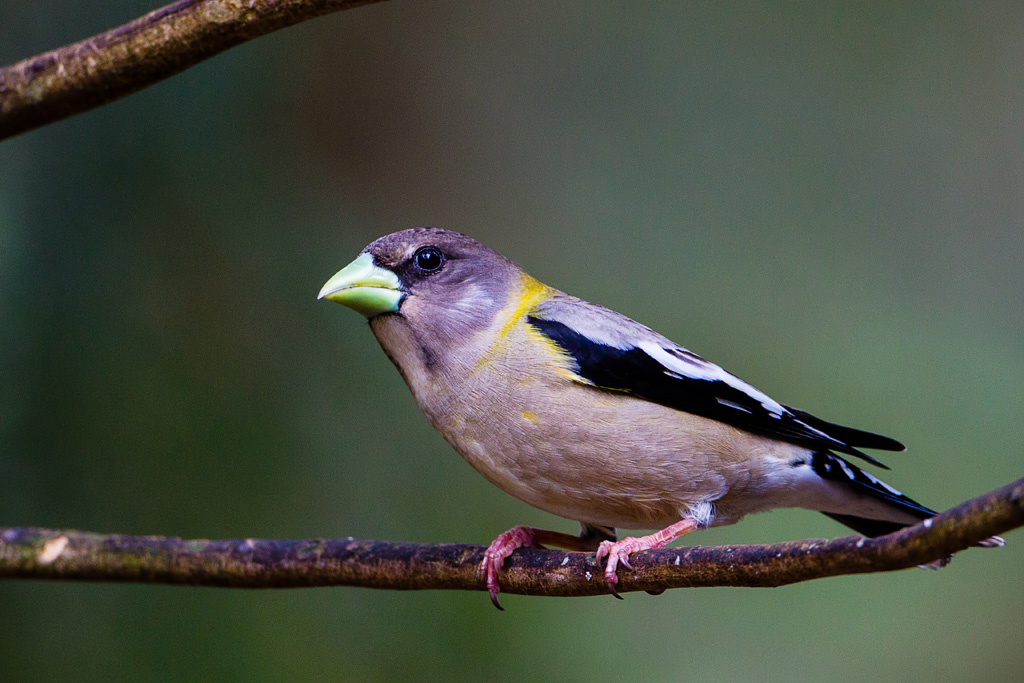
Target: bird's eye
[(428, 259)]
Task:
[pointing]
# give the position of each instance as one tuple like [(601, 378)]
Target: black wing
[(674, 377)]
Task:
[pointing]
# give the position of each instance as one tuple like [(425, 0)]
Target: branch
[(76, 78), (73, 555)]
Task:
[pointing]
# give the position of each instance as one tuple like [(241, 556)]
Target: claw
[(618, 552), (489, 569), (610, 549), (495, 555)]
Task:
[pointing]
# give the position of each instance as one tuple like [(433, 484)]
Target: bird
[(589, 415)]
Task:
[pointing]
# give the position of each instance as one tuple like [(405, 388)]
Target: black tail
[(833, 468), (849, 435), (872, 528)]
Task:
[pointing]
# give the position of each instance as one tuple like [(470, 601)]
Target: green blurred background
[(825, 198)]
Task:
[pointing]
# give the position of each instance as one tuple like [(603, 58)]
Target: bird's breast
[(515, 412), (586, 453)]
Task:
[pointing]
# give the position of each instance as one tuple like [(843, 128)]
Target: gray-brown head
[(429, 285)]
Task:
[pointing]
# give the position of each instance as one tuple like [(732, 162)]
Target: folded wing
[(615, 353)]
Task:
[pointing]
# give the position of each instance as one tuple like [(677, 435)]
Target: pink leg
[(619, 551), (517, 537)]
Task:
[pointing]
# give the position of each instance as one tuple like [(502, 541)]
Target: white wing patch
[(694, 367), (735, 406), (638, 360)]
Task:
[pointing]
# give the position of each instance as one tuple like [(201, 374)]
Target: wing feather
[(639, 361)]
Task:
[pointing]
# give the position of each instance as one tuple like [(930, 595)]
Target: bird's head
[(442, 283)]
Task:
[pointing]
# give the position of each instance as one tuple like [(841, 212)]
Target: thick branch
[(73, 555), (78, 77)]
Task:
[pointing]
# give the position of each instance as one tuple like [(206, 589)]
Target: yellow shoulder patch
[(532, 293)]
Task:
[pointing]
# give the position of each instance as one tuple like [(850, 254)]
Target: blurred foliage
[(825, 198)]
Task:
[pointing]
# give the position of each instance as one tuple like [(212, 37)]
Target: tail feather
[(833, 468), (872, 528), (849, 435)]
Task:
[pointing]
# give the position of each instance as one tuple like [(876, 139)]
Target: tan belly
[(597, 456), (516, 415)]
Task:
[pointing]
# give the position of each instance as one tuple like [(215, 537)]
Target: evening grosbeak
[(583, 412)]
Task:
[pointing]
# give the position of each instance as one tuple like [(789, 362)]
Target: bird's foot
[(618, 552), (498, 550), (518, 537)]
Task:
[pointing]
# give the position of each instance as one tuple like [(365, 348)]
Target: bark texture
[(76, 78), (31, 553)]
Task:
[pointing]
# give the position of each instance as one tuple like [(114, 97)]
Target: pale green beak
[(365, 288)]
